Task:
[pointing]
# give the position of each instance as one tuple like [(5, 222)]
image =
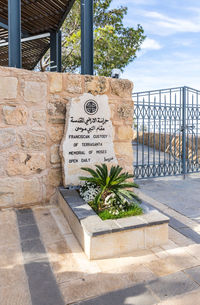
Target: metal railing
[(166, 132)]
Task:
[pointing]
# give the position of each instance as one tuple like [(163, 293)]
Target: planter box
[(109, 238)]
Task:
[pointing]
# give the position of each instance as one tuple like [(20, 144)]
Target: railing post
[(184, 104)]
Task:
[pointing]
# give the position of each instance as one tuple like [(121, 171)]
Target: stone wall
[(32, 118)]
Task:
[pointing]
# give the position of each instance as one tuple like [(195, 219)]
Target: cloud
[(162, 24), (151, 44)]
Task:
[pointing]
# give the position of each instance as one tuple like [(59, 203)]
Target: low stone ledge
[(90, 229)]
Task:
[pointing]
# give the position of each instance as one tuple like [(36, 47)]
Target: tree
[(115, 45)]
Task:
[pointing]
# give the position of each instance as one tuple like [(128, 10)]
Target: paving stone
[(33, 250), (194, 273), (137, 295), (172, 285), (63, 263), (29, 232), (10, 276), (180, 195), (48, 228), (174, 223), (9, 234), (61, 221), (42, 284), (185, 299), (8, 216), (18, 294), (25, 217), (10, 256), (189, 233)]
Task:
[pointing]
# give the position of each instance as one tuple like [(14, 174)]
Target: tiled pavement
[(41, 263)]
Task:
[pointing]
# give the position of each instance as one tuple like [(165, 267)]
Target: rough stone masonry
[(32, 119)]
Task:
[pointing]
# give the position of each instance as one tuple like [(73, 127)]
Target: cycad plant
[(111, 182)]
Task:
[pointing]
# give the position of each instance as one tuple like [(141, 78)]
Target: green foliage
[(115, 45), (132, 211), (113, 182)]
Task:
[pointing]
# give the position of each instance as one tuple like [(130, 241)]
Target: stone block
[(26, 163), (8, 87), (3, 161), (35, 92), (123, 149), (16, 191), (56, 133), (35, 141), (15, 115), (55, 82), (55, 157), (54, 177), (125, 133), (56, 112), (7, 138), (118, 243), (39, 117), (96, 85), (73, 83), (121, 87), (125, 112), (156, 235), (57, 108)]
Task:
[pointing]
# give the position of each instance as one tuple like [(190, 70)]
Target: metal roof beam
[(4, 44), (4, 25)]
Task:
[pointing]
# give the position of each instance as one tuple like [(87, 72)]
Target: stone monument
[(88, 137)]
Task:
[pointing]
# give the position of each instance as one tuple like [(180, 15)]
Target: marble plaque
[(88, 138)]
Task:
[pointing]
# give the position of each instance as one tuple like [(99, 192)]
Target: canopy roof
[(37, 17)]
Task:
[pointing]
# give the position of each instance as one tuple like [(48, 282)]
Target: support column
[(87, 37), (14, 33), (56, 51), (82, 36), (59, 51)]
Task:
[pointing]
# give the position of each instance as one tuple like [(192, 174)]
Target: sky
[(170, 55)]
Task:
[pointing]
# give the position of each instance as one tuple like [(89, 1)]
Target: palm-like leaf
[(111, 182)]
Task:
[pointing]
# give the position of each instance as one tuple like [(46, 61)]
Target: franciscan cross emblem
[(91, 107)]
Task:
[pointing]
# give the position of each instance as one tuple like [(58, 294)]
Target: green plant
[(111, 182), (115, 44)]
